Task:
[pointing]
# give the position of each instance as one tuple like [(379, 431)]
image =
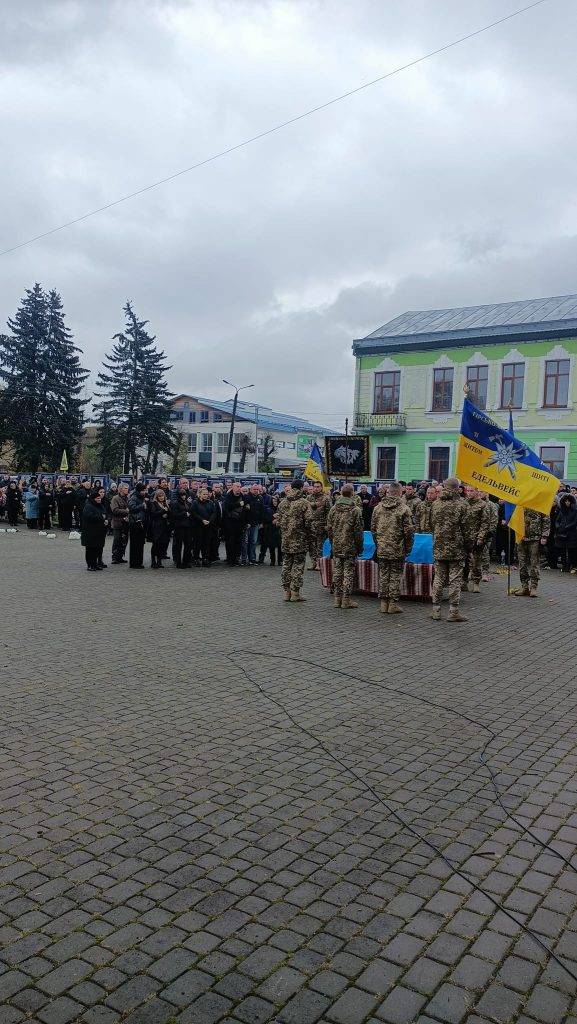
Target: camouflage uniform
[(537, 528), (425, 517), (450, 522), (345, 531), (392, 528), (320, 507), (414, 505), (294, 518), (494, 522), (479, 529)]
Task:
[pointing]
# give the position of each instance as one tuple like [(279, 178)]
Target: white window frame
[(442, 363), (204, 448), (556, 353), (375, 463), (388, 365), (192, 442), (513, 356), (441, 443), (219, 448), (552, 443)]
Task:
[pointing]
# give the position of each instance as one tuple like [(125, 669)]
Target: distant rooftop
[(267, 418), (529, 319)]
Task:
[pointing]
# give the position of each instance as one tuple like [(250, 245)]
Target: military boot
[(286, 594), (296, 596), (465, 587), (533, 591), (456, 616), (394, 608), (436, 613), (384, 606), (475, 589), (522, 591), (348, 602), (338, 600)]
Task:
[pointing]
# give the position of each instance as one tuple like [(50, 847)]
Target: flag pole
[(510, 407), (346, 449)]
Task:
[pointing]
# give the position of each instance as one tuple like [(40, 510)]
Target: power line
[(278, 127)]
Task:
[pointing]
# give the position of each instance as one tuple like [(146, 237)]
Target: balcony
[(381, 421)]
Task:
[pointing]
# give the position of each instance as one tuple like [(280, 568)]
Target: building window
[(556, 393), (217, 417), (290, 444), (192, 417), (192, 442), (512, 383), (438, 463), (387, 391), (477, 378), (237, 446), (176, 414), (204, 416), (206, 442), (442, 389), (386, 459), (553, 456), (205, 460), (222, 443)]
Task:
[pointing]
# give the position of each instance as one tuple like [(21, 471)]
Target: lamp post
[(233, 420)]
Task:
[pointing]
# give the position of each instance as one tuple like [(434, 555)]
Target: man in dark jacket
[(82, 492), (93, 530), (255, 519), (234, 519), (137, 522), (203, 513), (180, 521), (119, 514)]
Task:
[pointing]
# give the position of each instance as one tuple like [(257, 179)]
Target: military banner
[(347, 456)]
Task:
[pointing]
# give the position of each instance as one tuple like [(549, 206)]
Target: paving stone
[(353, 1007), (183, 851), (401, 1006)]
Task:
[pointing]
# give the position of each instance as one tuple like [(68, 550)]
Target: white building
[(206, 426)]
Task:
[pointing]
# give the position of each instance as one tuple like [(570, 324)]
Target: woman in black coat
[(137, 523), (566, 533), (203, 515), (65, 502), (159, 527), (13, 504), (93, 531)]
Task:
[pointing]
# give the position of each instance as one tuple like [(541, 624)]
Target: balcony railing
[(380, 421)]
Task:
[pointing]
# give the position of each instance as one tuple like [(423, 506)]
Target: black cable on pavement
[(381, 800)]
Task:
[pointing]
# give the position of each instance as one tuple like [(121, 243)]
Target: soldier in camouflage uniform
[(294, 518), (392, 528), (413, 503), (425, 514), (479, 529), (450, 521), (320, 507), (345, 531), (494, 522), (536, 531)]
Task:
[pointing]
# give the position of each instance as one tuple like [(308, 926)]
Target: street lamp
[(232, 422)]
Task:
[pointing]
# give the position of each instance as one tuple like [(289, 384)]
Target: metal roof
[(530, 319), (267, 418)]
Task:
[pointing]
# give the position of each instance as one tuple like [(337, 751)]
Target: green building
[(411, 373)]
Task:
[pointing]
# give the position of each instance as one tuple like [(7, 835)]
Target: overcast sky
[(450, 184)]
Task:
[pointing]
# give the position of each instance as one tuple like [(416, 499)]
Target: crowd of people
[(188, 522)]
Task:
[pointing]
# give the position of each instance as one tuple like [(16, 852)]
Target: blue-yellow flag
[(495, 461), (315, 468), (514, 514)]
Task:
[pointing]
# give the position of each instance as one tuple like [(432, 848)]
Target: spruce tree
[(134, 401), (43, 379)]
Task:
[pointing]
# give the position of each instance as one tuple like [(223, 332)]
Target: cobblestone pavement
[(174, 848)]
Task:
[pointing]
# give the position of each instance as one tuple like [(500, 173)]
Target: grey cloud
[(450, 184)]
